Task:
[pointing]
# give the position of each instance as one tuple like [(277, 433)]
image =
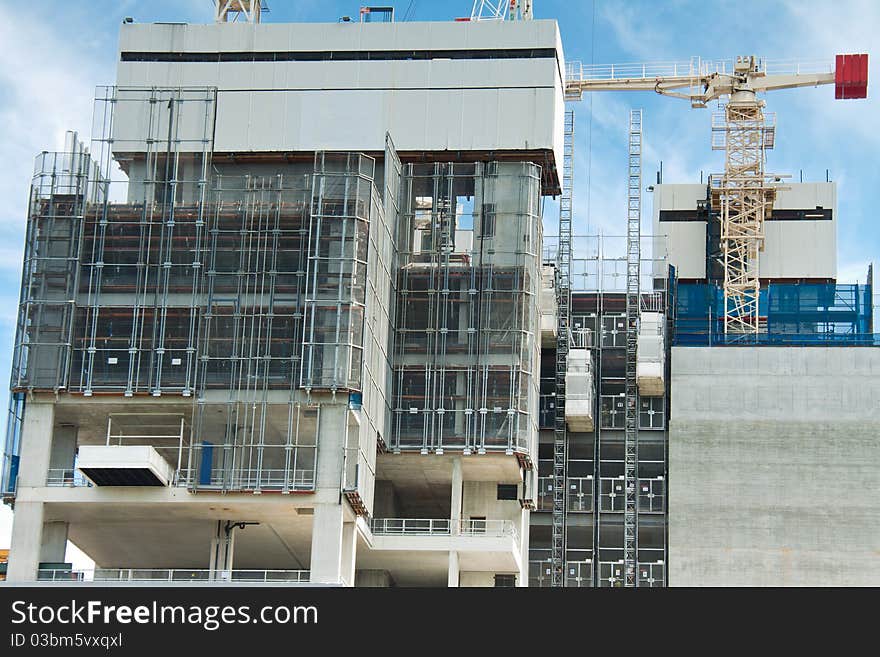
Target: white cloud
[(48, 93)]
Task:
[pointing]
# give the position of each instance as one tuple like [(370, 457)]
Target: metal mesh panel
[(465, 357)]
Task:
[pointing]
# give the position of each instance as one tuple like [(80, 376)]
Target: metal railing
[(177, 575), (57, 477), (263, 479), (266, 479), (410, 526), (488, 528), (441, 527), (696, 67)]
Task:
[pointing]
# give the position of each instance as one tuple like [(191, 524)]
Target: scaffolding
[(596, 461), (563, 329), (831, 314), (633, 307), (65, 185), (468, 278), (232, 295)]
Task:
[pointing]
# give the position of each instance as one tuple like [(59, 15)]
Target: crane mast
[(743, 197)]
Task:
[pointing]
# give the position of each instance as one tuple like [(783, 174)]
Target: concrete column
[(332, 434), (53, 543), (222, 550), (327, 541), (36, 443), (63, 447), (456, 498), (453, 581), (349, 552), (523, 579), (25, 547)]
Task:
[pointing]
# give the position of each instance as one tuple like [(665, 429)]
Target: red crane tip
[(851, 76)]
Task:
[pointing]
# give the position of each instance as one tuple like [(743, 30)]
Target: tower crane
[(503, 10), (743, 194)]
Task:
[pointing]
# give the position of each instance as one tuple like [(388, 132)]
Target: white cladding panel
[(439, 104), (800, 248), (685, 240)]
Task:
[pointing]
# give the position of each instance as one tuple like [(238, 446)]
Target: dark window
[(505, 581), (338, 55), (507, 491), (819, 214), (681, 215)]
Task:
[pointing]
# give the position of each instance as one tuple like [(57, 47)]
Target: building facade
[(291, 318), (280, 321)]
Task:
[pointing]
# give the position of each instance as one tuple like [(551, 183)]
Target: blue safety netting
[(794, 313)]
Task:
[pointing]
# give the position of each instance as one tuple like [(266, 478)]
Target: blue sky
[(56, 53)]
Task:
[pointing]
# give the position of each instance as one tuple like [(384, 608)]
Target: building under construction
[(291, 317)]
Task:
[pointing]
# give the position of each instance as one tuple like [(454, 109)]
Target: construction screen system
[(247, 297), (244, 291), (466, 353)]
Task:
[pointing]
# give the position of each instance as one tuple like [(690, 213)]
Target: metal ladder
[(563, 323), (631, 445)]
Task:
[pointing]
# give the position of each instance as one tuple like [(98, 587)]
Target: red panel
[(851, 76), (861, 89), (838, 77)]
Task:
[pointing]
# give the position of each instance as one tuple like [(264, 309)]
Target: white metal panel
[(686, 247), (339, 36), (382, 75), (799, 249), (111, 457), (427, 105), (792, 248)]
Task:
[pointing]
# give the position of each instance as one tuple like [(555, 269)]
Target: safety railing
[(488, 528), (63, 477), (410, 526), (441, 527), (576, 70), (176, 575), (262, 479)]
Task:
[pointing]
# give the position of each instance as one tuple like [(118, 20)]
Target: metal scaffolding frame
[(595, 461), (743, 198), (633, 306), (465, 347), (563, 334), (236, 294)]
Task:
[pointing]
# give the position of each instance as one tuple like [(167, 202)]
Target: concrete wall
[(480, 500), (774, 464)]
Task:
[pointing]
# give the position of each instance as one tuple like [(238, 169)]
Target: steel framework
[(633, 256), (563, 298), (501, 10), (743, 198)]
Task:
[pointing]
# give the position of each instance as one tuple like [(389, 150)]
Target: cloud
[(51, 92)]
